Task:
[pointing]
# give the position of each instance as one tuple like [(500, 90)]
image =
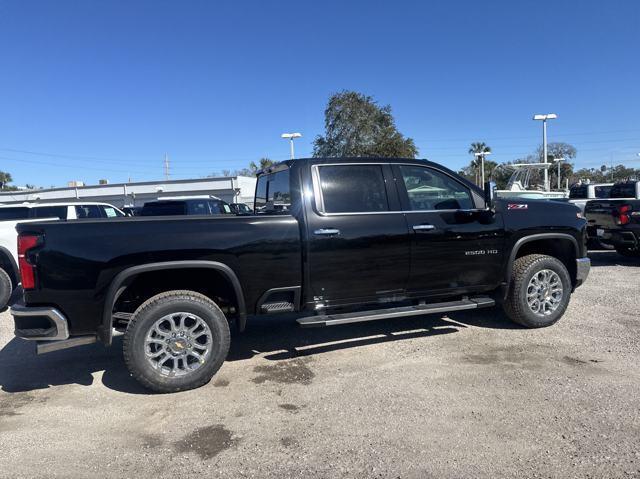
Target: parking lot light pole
[(544, 118), (481, 156), (290, 137)]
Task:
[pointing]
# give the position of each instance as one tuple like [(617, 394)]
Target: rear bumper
[(583, 266), (47, 326), (39, 323)]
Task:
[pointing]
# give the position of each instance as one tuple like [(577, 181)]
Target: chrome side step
[(50, 346), (400, 312)]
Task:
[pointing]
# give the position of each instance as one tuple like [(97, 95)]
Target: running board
[(400, 312)]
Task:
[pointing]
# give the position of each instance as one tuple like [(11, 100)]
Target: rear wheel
[(176, 341), (6, 288), (539, 291)]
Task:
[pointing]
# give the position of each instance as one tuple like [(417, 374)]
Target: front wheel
[(176, 341), (539, 292)]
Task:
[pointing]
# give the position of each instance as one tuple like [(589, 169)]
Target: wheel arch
[(560, 245), (8, 263), (123, 279)]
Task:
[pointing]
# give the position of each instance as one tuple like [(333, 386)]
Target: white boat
[(519, 185)]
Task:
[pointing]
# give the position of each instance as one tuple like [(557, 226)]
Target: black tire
[(516, 305), (6, 288), (157, 378), (628, 252)]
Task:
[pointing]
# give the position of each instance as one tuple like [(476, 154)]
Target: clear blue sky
[(111, 86)]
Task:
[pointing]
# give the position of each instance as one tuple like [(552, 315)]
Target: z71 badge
[(517, 206)]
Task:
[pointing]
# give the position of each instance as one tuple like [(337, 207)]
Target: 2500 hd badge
[(480, 251)]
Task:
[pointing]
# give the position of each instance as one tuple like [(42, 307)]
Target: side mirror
[(489, 194)]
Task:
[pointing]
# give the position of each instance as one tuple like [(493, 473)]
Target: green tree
[(264, 163), (356, 126), (4, 179), (476, 162)]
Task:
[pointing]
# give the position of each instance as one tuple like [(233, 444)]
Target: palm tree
[(478, 147), (4, 179)]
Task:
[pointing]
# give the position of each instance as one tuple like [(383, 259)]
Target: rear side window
[(14, 213), (429, 189), (352, 189), (602, 191), (580, 192), (88, 211), (164, 208), (273, 194), (49, 212)]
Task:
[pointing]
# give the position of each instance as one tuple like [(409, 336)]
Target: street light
[(290, 137), (558, 160), (482, 155), (544, 118)]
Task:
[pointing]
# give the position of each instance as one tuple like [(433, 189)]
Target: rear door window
[(352, 189)]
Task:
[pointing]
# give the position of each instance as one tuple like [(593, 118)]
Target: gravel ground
[(465, 395)]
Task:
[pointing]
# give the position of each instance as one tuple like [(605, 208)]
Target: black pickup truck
[(616, 221), (334, 240)]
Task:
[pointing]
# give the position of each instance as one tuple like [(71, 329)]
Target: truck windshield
[(623, 190), (272, 194), (13, 213)]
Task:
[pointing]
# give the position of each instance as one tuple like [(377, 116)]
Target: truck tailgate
[(603, 213)]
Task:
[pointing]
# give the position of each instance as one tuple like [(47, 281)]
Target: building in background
[(232, 189)]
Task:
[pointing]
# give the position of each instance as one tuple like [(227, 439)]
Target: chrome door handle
[(423, 227), (327, 231)]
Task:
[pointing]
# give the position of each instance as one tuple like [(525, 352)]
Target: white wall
[(231, 189)]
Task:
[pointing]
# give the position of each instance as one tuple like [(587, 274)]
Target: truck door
[(454, 245), (357, 244)]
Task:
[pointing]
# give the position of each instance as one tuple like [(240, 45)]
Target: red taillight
[(623, 214), (27, 272)]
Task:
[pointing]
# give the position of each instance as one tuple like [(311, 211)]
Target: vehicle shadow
[(277, 338), (611, 258)]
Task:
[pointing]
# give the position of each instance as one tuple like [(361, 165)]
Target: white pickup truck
[(11, 215)]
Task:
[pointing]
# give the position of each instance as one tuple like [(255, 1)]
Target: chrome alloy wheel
[(178, 344), (544, 293)]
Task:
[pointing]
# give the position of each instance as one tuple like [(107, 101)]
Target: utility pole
[(166, 167), (481, 156), (558, 160), (544, 118)]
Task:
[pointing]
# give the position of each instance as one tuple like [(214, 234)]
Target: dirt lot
[(469, 395)]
